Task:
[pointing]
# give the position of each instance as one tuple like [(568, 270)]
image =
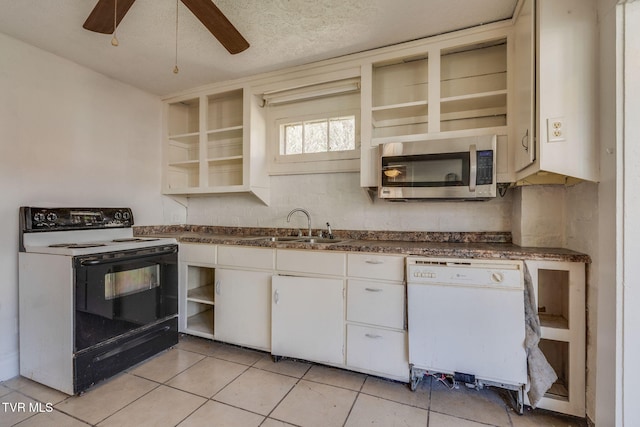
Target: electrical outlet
[(556, 130)]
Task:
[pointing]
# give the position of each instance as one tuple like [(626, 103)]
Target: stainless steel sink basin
[(279, 239), (295, 239), (318, 240)]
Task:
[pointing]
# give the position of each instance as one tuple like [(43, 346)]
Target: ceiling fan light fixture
[(176, 70), (114, 39), (101, 20)]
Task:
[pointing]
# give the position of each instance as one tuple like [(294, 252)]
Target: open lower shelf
[(203, 294), (201, 322), (553, 321), (558, 391)]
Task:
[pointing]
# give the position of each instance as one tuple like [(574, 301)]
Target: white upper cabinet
[(524, 88), (451, 86), (530, 81), (215, 144), (555, 135)]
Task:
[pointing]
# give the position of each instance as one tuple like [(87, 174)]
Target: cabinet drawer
[(315, 262), (378, 350), (238, 256), (198, 253), (376, 266), (376, 303)]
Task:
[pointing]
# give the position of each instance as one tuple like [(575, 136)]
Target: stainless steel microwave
[(457, 168)]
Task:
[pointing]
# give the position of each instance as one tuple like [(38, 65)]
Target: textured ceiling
[(281, 33)]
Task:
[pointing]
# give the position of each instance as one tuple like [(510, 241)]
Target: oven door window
[(121, 283), (426, 170)]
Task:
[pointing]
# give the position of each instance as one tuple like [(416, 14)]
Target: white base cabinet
[(307, 318), (242, 293), (242, 315), (376, 319)]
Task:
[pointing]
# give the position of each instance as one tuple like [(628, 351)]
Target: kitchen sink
[(318, 240), (295, 239), (279, 239)]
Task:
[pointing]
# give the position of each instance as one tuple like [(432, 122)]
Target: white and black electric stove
[(94, 299)]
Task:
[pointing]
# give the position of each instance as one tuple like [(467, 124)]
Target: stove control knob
[(38, 217), (118, 215), (126, 216), (51, 217)]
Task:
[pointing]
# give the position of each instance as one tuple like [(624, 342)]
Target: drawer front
[(376, 266), (197, 253), (314, 262), (378, 350), (376, 303), (238, 256)]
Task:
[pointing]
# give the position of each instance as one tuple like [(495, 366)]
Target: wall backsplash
[(338, 199)]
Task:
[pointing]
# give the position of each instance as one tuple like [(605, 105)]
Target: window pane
[(315, 137), (342, 134), (292, 139)]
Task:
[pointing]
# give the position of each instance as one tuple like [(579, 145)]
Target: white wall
[(603, 288), (539, 216), (338, 199), (68, 136), (629, 199)]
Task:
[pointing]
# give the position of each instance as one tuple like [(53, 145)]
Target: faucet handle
[(329, 232)]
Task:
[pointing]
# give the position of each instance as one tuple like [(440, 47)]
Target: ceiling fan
[(101, 20)]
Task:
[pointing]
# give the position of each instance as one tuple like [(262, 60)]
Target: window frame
[(320, 156), (308, 163)]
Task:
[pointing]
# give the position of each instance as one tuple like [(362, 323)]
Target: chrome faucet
[(304, 212)]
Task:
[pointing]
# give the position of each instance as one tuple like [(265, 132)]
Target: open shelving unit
[(473, 86), (200, 300), (560, 295), (449, 88), (400, 93), (209, 148), (183, 147)]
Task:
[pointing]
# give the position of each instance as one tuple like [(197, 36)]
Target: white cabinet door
[(524, 142), (243, 311), (307, 318)]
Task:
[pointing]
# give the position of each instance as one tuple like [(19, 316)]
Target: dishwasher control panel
[(463, 272)]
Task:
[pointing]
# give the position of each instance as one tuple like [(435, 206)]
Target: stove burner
[(132, 239), (76, 245)]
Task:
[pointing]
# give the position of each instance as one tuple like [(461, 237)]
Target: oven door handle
[(167, 250)]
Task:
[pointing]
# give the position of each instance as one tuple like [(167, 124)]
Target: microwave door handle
[(473, 167)]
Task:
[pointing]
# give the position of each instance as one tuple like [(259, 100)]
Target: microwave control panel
[(485, 167)]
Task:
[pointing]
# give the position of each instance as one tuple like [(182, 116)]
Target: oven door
[(118, 292)]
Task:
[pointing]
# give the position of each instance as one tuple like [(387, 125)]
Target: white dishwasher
[(466, 320)]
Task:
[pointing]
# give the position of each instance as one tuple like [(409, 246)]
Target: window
[(318, 136)]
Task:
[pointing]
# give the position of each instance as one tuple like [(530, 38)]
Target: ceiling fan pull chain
[(175, 68), (114, 40)]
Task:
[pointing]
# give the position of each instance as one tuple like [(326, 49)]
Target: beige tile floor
[(202, 383)]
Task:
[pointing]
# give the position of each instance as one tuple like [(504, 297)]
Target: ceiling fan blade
[(215, 21), (100, 19)]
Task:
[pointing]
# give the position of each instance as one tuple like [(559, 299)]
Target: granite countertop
[(481, 245)]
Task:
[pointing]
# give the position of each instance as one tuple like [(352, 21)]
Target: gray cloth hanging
[(541, 374)]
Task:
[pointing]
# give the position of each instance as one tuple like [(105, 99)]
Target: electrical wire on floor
[(444, 380)]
